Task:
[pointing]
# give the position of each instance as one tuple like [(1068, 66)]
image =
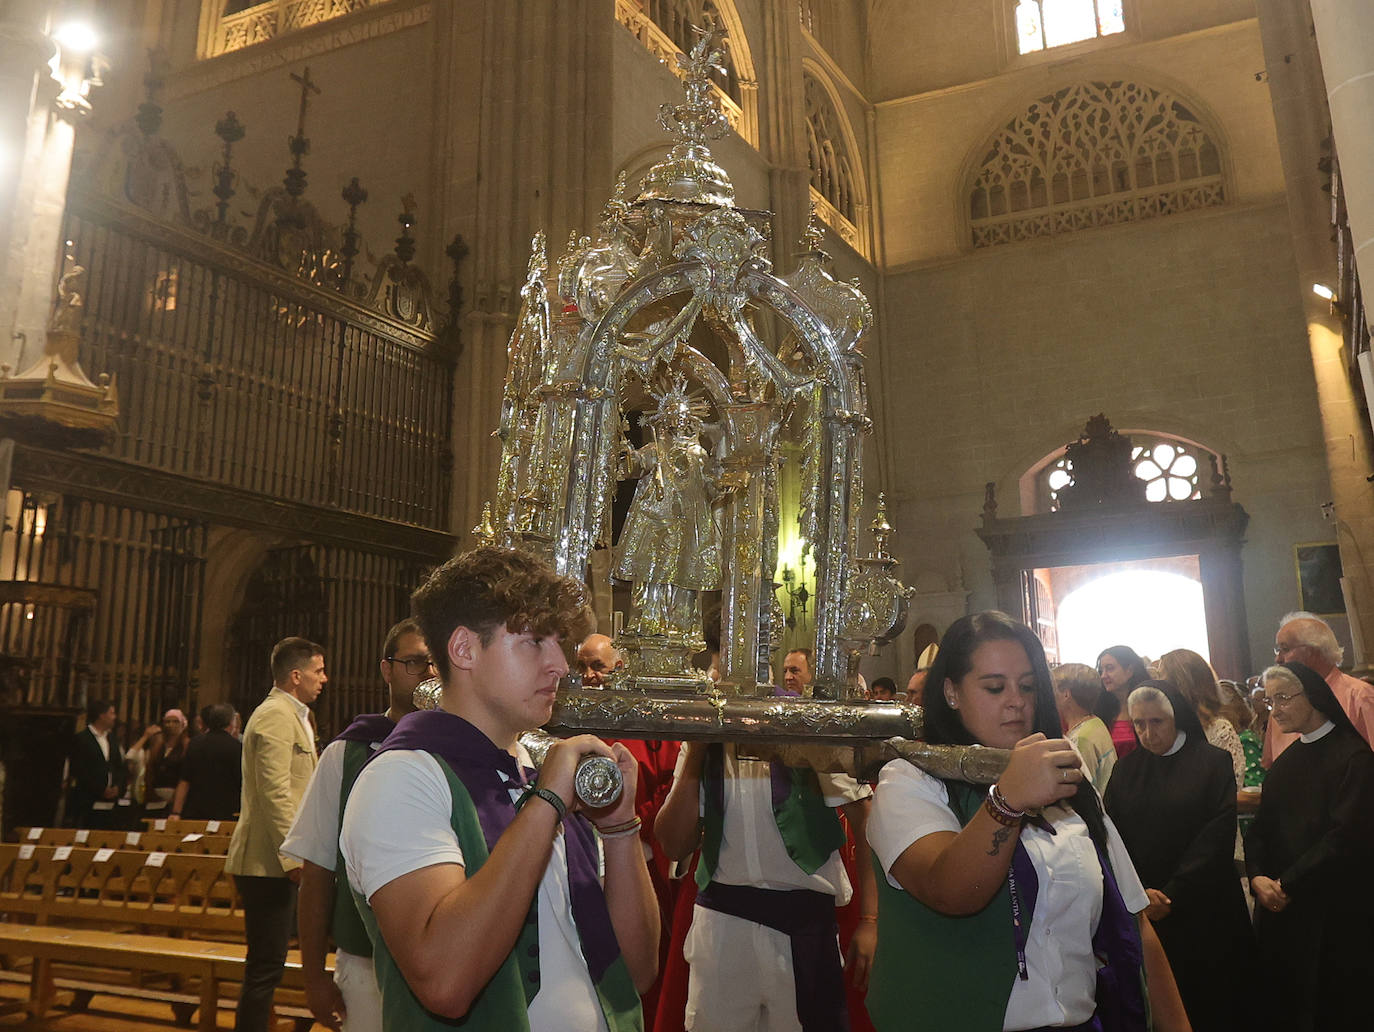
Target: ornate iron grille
[(232, 372), (344, 600), (99, 601)]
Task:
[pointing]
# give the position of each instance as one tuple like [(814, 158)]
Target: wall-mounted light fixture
[(77, 37), (77, 65), (798, 597)]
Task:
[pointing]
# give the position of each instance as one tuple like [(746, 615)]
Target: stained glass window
[(1043, 24)]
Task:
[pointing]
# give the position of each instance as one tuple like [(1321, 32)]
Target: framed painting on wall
[(1319, 578)]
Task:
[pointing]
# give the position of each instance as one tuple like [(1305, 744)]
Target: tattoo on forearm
[(999, 837)]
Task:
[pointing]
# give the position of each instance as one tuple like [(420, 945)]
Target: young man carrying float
[(479, 886)]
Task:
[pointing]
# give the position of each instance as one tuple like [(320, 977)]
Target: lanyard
[(1017, 929)]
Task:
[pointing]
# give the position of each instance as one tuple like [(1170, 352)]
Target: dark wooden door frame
[(1211, 528)]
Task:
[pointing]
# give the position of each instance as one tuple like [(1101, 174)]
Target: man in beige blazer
[(278, 759)]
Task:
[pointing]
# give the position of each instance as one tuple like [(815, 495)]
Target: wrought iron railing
[(233, 371)]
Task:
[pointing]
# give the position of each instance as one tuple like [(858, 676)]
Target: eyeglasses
[(414, 664), (1282, 700), (1280, 648)]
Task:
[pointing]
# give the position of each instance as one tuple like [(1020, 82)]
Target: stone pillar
[(539, 158), (782, 121), (34, 169), (1299, 84), (1345, 40)]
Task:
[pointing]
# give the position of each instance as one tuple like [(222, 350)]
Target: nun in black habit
[(1309, 856), (1174, 802)]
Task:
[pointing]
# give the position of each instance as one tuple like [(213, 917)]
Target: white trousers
[(358, 983), (741, 977)]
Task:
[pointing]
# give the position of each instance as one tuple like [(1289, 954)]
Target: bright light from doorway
[(1152, 611)]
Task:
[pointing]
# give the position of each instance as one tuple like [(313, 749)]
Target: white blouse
[(1061, 990)]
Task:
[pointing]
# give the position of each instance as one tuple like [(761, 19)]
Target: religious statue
[(71, 301), (670, 546)]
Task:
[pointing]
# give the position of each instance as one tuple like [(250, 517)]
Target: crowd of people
[(1101, 883), (174, 768)]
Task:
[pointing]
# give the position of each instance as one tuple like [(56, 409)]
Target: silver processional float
[(671, 308)]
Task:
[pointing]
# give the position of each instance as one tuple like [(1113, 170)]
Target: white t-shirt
[(751, 847), (911, 804), (398, 820)]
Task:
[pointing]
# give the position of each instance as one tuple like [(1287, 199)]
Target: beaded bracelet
[(1000, 810), (548, 795)]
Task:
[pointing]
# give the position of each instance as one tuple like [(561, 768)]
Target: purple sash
[(478, 764), (807, 918), (1116, 944), (367, 727)]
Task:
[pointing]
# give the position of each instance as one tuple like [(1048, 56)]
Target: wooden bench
[(176, 841), (175, 914), (183, 826)]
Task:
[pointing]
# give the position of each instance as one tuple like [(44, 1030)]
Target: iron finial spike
[(353, 195), (299, 146)]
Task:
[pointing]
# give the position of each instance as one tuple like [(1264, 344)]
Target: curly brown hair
[(489, 587)]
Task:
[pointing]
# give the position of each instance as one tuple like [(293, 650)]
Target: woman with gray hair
[(1308, 855), (1174, 801), (1077, 691)]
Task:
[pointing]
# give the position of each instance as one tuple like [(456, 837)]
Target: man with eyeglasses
[(1307, 639), (351, 1000)]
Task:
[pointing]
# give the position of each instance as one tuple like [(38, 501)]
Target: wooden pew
[(174, 841), (204, 827), (118, 910)]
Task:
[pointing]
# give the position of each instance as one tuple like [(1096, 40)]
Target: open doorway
[(1152, 605)]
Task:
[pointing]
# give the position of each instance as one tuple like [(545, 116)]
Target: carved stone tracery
[(837, 191), (1093, 154)]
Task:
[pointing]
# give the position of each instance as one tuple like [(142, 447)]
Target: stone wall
[(1189, 326)]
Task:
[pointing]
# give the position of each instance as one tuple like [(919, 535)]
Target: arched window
[(836, 186), (1093, 154), (1042, 24), (1172, 471), (677, 18), (664, 27)]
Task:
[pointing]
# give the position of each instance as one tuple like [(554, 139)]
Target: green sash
[(947, 974), (810, 829), (350, 934), (503, 1005)]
